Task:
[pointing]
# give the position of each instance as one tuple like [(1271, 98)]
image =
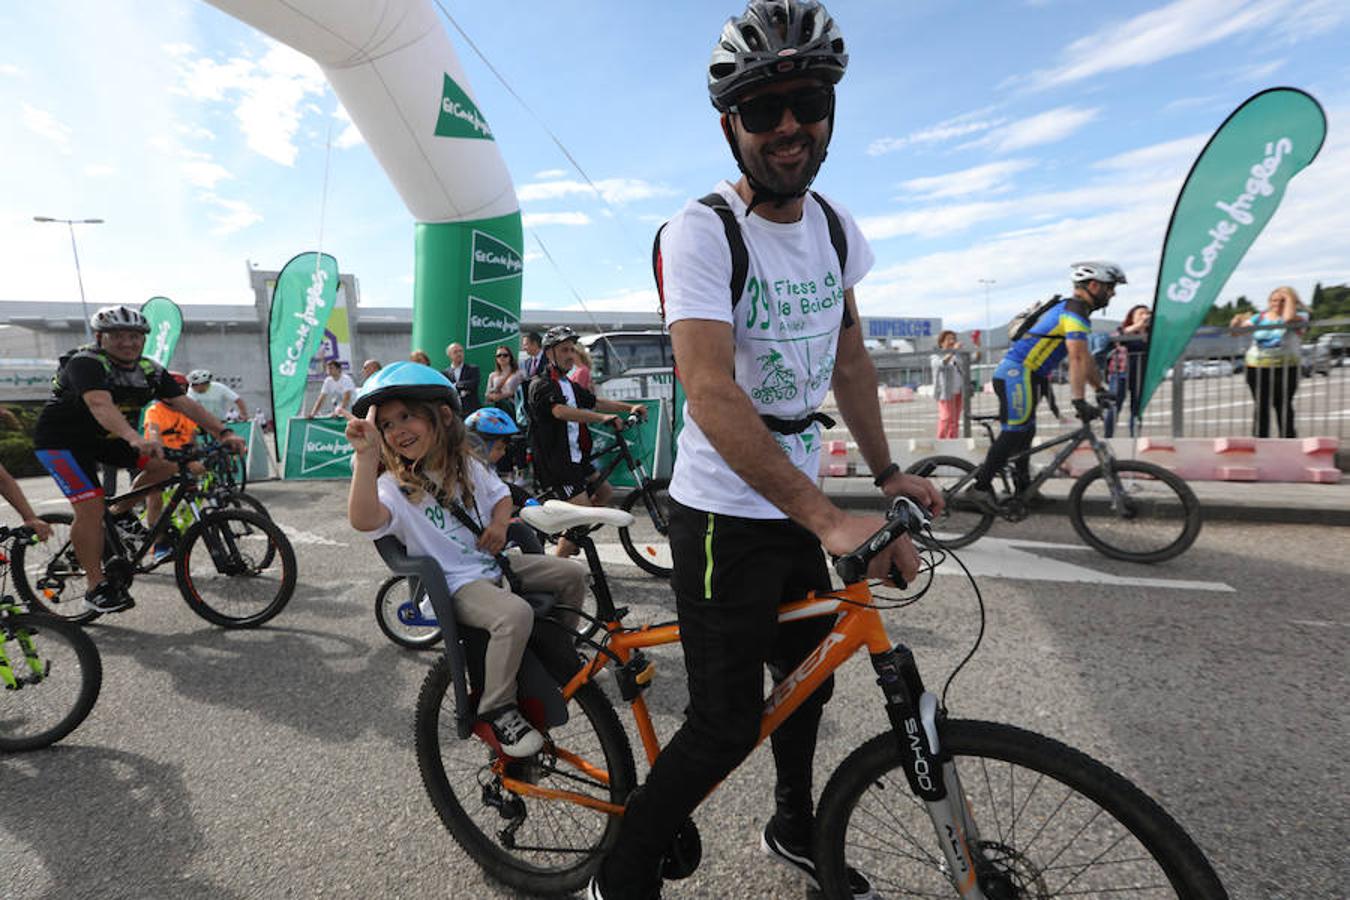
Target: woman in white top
[(431, 490)]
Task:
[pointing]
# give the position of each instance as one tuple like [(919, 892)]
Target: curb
[(1210, 511)]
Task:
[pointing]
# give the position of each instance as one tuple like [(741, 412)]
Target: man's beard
[(791, 183)]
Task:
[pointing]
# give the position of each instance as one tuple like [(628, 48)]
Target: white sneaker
[(516, 736)]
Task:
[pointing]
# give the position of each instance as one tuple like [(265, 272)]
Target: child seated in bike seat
[(415, 477)]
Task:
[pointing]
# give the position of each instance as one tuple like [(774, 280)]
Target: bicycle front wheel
[(532, 844), (961, 523), (48, 576), (396, 592), (235, 568), (647, 540), (1050, 822), (56, 673), (1138, 512)]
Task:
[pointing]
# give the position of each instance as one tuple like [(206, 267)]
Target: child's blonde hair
[(445, 465)]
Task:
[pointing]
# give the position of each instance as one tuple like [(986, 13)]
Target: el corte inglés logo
[(459, 116), (489, 323), (493, 259)]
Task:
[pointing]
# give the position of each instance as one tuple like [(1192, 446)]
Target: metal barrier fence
[(1209, 392)]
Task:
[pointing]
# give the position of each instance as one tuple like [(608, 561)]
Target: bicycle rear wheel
[(534, 845), (960, 523), (1144, 514), (397, 591), (58, 685), (48, 576), (235, 568), (647, 540), (1051, 821)]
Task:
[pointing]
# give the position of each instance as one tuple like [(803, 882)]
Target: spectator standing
[(420, 356), (503, 380), (369, 368), (949, 384), (533, 345), (216, 398), (465, 377), (581, 370), (1125, 367), (1273, 359), (337, 387)]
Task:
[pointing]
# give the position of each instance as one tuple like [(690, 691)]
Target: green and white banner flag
[(166, 324), (304, 296), (1233, 189)]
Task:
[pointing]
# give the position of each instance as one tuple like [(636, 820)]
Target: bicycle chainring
[(119, 571), (1014, 509)]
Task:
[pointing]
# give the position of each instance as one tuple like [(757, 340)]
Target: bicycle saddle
[(555, 516)]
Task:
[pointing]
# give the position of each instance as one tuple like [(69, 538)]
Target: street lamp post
[(70, 224), (987, 326)]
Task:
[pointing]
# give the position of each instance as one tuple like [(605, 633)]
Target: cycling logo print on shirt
[(780, 382)]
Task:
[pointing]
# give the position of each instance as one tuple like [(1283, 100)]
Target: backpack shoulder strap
[(740, 257), (838, 240)]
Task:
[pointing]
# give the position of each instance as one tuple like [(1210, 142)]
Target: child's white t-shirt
[(786, 329), (427, 529)]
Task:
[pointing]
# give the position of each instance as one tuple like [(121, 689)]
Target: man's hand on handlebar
[(921, 490), (233, 442), (1085, 411), (639, 411), (147, 447), (850, 532), (41, 528)]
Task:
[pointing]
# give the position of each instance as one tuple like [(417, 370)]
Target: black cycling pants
[(731, 574), (1008, 442)]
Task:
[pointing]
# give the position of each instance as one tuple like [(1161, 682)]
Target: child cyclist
[(415, 477)]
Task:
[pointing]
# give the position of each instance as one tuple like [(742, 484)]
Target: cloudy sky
[(975, 140)]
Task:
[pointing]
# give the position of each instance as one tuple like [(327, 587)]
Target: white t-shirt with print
[(427, 529), (217, 398), (786, 325), (336, 387)]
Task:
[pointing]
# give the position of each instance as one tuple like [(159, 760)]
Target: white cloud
[(1181, 27), (233, 215), (351, 135), (949, 129), (623, 301), (550, 174), (9, 70), (1044, 128), (933, 221), (987, 179), (617, 191), (99, 170), (270, 95), (203, 173), (530, 220), (44, 124), (1168, 156), (1257, 71)]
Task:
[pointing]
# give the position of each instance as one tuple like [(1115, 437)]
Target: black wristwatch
[(886, 474)]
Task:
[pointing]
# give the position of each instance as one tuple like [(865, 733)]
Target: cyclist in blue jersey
[(1061, 330)]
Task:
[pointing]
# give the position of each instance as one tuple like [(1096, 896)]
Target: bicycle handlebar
[(904, 517), (190, 454), (22, 533)]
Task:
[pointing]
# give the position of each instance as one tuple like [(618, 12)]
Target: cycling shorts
[(1016, 397), (581, 479), (75, 471)]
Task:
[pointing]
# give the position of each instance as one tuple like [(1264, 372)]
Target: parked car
[(1329, 351)]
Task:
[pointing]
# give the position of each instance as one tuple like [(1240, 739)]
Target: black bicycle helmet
[(405, 381), (771, 41)]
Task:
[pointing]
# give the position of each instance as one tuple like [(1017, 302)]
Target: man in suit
[(533, 364), (464, 376)]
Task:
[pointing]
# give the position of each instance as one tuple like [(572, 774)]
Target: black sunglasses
[(763, 113), (503, 355)]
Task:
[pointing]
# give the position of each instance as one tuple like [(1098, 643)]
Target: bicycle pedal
[(634, 676)]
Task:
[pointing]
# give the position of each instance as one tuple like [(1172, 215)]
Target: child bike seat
[(532, 680), (556, 516)]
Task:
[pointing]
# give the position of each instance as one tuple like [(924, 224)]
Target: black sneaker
[(800, 859), (593, 890), (105, 598), (981, 499), (516, 736)]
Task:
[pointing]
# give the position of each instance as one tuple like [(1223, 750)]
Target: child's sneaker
[(516, 736)]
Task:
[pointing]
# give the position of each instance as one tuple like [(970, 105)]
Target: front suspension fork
[(928, 767)]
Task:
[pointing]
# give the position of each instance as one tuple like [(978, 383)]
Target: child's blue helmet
[(405, 381), (491, 422)]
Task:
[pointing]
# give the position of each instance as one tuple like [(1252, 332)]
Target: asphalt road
[(279, 762)]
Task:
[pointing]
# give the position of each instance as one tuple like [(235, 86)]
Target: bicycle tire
[(53, 559), (592, 730), (1016, 855), (242, 500), (72, 703), (214, 594), (387, 601), (650, 548), (959, 525), (1159, 499)]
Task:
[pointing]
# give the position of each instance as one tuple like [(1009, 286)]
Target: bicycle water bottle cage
[(796, 426)]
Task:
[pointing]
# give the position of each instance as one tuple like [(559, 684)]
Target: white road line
[(1318, 623)]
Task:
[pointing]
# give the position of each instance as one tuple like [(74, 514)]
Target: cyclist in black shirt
[(97, 393)]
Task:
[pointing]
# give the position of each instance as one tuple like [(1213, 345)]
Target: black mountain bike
[(234, 567), (647, 540), (50, 670), (1123, 508)]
